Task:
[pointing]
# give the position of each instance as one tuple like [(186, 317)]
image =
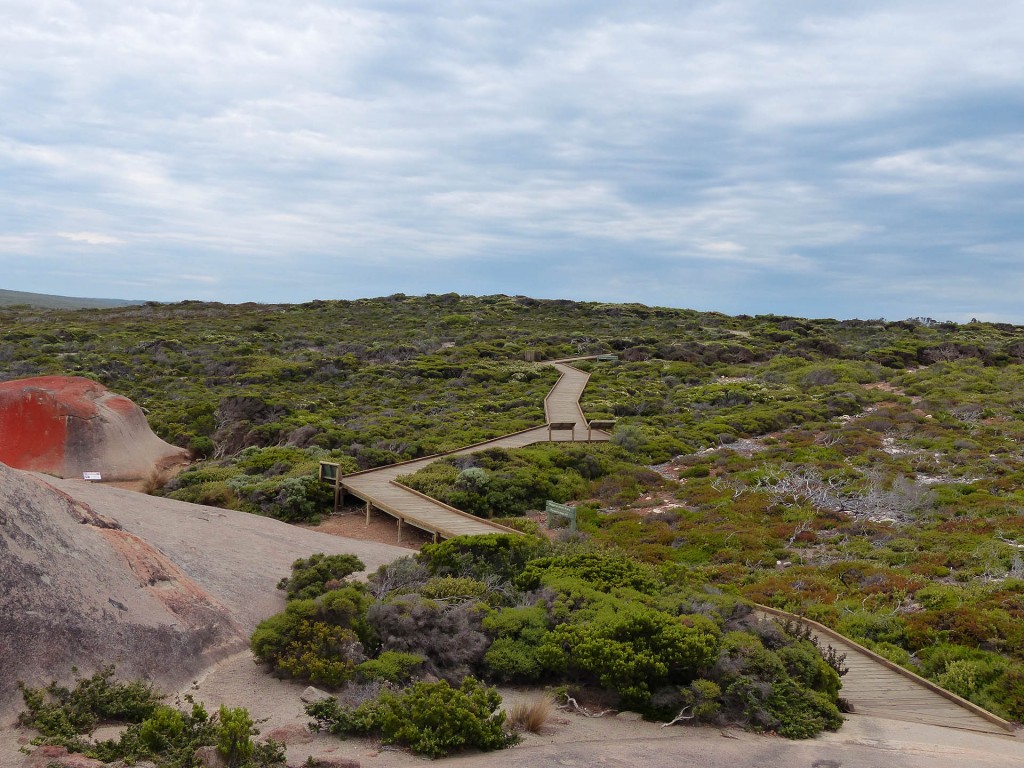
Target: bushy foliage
[(755, 684), (165, 735), (522, 649), (432, 719), (391, 666), (500, 482), (447, 635), (320, 640), (319, 573), (603, 570), (498, 556), (635, 650), (59, 713)]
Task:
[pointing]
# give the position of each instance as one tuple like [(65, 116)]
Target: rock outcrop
[(77, 590), (92, 575), (67, 425)]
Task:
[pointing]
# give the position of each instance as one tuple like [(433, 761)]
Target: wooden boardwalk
[(876, 687), (380, 490)]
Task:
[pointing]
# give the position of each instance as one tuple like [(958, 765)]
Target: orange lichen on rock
[(67, 425)]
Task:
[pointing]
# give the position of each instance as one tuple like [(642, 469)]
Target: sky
[(820, 159)]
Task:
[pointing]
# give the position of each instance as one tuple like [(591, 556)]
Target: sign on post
[(92, 476), (331, 473), (564, 511)]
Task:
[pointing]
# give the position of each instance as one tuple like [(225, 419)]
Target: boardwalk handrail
[(435, 456), (445, 523), (964, 703), (501, 528)]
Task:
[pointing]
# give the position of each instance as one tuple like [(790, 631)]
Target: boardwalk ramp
[(877, 687), (380, 488)]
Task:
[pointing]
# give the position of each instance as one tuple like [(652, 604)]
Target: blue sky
[(841, 159)]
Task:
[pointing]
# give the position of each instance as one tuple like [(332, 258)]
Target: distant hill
[(9, 298)]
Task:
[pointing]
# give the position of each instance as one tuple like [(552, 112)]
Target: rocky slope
[(159, 588)]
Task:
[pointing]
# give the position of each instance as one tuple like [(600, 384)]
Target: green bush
[(431, 719), (156, 732), (56, 711), (234, 735), (601, 569), (521, 650), (319, 573), (201, 447), (317, 640), (757, 686), (163, 728), (495, 555), (634, 650), (391, 666)]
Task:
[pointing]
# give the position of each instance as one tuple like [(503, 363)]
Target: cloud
[(590, 150), (91, 238)]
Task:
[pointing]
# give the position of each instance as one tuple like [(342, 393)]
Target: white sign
[(91, 476)]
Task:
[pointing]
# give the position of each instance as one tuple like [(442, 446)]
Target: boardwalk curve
[(380, 490)]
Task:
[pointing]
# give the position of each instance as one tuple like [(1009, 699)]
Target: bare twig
[(572, 705), (679, 718)]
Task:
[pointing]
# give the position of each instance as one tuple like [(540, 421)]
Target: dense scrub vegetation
[(863, 472), (520, 609), (158, 733)]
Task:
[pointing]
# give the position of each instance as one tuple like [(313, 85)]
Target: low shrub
[(59, 712), (495, 555), (157, 733), (319, 573), (431, 719), (391, 666), (317, 640)]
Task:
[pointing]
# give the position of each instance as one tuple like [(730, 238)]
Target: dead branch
[(571, 705), (679, 718)]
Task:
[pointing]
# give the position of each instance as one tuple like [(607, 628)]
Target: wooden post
[(337, 492), (399, 530), (369, 506)]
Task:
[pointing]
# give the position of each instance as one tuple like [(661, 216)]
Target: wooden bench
[(562, 426)]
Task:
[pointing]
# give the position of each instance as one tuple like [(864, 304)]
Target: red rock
[(50, 755), (66, 425)]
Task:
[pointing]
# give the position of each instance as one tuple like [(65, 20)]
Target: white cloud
[(91, 238)]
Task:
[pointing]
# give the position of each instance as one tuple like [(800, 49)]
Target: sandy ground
[(350, 522)]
